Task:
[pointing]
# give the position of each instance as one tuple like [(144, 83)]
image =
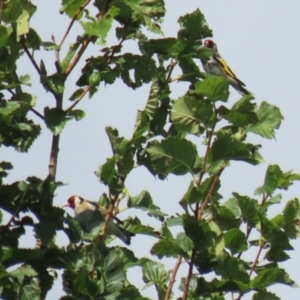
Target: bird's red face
[(73, 202), (209, 44)]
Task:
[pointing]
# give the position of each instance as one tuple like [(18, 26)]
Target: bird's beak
[(66, 205)]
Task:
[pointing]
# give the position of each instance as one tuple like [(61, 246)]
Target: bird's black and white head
[(76, 203)]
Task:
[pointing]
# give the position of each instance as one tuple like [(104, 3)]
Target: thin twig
[(81, 8), (30, 57), (203, 206), (207, 149), (189, 277), (79, 99), (253, 267), (109, 212), (85, 43), (37, 113), (171, 68), (173, 278), (57, 60), (36, 67)]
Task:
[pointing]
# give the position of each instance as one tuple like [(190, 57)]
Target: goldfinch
[(216, 65), (86, 215)]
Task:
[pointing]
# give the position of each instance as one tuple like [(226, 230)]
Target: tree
[(215, 233)]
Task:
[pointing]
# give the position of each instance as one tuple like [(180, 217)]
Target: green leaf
[(193, 30), (167, 247), (78, 114), (73, 231), (141, 126), (242, 112), (50, 46), (184, 242), (3, 36), (71, 7), (270, 118), (172, 155), (208, 240), (193, 195), (215, 88), (276, 254), (107, 172), (45, 231), (231, 268), (144, 202), (154, 273), (227, 148), (77, 94), (135, 69), (233, 206), (170, 47), (264, 295), (55, 119), (249, 208), (33, 40), (123, 151), (276, 179), (270, 276), (291, 211), (235, 240), (135, 226), (188, 115), (103, 26)]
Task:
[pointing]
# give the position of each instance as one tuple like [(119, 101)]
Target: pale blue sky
[(260, 40)]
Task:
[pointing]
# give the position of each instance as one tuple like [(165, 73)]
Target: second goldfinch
[(216, 65), (85, 214)]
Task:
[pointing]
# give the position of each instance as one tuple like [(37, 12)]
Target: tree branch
[(199, 215), (173, 277), (210, 191), (82, 7), (53, 157), (197, 212), (109, 59), (188, 279)]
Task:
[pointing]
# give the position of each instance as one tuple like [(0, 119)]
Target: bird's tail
[(125, 235), (239, 86)]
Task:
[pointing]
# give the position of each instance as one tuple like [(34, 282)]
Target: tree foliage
[(215, 232)]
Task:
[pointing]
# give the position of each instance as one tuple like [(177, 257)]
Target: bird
[(89, 215), (216, 65)]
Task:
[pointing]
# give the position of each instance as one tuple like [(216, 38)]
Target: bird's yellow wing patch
[(224, 65)]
